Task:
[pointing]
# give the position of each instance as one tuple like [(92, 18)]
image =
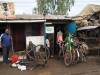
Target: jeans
[(5, 54)]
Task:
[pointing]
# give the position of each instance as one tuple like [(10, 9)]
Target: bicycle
[(71, 53), (80, 54), (65, 53), (38, 56), (68, 50), (83, 51)]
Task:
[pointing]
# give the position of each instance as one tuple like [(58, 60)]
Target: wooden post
[(9, 27), (99, 18)]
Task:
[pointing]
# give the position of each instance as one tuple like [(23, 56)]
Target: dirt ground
[(57, 67)]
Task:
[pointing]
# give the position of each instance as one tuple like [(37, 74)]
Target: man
[(48, 47), (6, 45), (48, 42), (59, 41), (59, 36)]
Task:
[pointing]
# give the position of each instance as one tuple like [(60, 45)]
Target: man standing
[(59, 41), (6, 45)]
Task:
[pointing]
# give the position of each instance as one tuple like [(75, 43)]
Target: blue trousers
[(6, 54)]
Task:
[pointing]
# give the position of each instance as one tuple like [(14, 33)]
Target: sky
[(26, 6), (80, 5)]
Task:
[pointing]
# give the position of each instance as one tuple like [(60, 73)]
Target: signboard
[(7, 10), (49, 29), (35, 40)]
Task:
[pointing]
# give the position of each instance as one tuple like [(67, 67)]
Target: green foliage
[(55, 7)]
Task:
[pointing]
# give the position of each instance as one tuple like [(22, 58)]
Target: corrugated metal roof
[(36, 18), (87, 27), (55, 17), (21, 21)]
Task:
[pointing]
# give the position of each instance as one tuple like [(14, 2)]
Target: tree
[(55, 7)]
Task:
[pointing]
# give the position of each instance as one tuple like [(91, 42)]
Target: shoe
[(6, 62)]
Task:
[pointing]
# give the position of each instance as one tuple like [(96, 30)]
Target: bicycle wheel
[(41, 56), (81, 57), (84, 58), (74, 56), (67, 58), (47, 52), (60, 51)]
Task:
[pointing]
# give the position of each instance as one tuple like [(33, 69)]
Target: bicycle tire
[(41, 58), (75, 57), (67, 58), (47, 52)]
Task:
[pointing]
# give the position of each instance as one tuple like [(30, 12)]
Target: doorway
[(58, 27), (18, 36)]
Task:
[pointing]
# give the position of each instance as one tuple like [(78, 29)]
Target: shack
[(23, 26)]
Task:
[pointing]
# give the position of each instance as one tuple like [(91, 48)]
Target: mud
[(57, 67)]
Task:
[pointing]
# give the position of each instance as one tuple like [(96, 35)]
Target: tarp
[(71, 27)]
